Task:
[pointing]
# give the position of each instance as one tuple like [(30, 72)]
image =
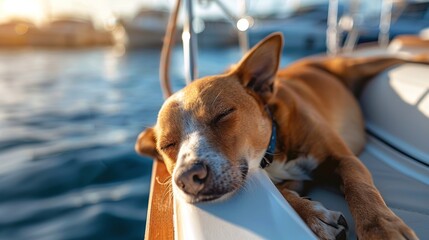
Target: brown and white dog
[(213, 132)]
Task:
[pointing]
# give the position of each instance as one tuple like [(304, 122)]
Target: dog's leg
[(324, 223), (374, 220)]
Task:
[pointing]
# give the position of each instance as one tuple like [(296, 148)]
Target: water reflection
[(68, 121)]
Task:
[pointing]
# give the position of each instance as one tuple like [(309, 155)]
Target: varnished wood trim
[(159, 221)]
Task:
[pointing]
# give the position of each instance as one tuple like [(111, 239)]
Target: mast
[(189, 39), (385, 21), (332, 30)]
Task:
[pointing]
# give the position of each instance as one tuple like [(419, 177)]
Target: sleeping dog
[(299, 123)]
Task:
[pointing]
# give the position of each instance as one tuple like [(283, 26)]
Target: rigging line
[(165, 59)]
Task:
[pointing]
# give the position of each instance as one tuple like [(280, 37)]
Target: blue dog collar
[(269, 154)]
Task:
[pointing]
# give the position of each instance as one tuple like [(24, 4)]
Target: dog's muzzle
[(192, 179), (199, 182)]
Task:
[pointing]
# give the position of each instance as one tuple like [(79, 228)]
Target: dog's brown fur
[(317, 116)]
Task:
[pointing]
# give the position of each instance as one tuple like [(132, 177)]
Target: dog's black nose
[(193, 178)]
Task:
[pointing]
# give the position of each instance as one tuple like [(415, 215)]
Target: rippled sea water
[(68, 122)]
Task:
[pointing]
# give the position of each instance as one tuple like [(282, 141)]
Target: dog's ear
[(257, 70), (146, 144)]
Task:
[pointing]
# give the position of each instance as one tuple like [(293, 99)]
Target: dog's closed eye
[(167, 146), (222, 116)]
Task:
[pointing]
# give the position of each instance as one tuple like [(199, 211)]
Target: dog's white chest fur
[(297, 169)]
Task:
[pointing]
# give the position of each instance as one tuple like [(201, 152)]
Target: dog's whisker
[(168, 192), (241, 186), (170, 196), (214, 100), (167, 195), (166, 181), (273, 154), (265, 159)]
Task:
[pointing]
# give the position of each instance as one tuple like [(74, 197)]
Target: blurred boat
[(303, 29), (408, 17), (72, 32), (61, 32), (216, 33), (146, 29), (17, 33)]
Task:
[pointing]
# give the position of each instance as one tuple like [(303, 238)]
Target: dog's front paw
[(324, 223), (385, 226)]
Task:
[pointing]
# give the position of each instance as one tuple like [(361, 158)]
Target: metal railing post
[(332, 30), (353, 35), (385, 21), (243, 37), (190, 47)]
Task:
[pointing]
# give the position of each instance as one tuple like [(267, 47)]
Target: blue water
[(68, 122)]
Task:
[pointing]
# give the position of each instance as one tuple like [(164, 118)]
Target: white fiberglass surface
[(396, 109), (258, 211)]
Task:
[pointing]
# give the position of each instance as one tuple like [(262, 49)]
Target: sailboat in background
[(66, 30), (146, 28)]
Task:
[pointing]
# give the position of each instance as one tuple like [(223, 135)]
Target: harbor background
[(70, 113)]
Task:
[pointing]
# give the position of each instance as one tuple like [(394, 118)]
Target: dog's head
[(212, 132)]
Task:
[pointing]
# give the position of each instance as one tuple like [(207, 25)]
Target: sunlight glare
[(186, 36), (21, 29), (243, 24), (410, 85), (27, 9)]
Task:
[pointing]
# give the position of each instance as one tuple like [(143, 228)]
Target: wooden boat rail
[(159, 221)]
